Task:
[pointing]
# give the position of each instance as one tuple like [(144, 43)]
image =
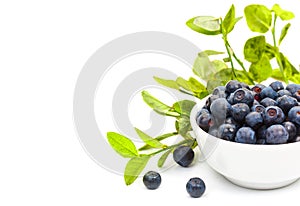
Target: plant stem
[(273, 31), (159, 138)]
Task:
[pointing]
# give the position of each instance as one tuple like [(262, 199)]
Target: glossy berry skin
[(152, 180), (297, 95), (239, 111), (276, 86), (204, 119), (266, 102), (233, 85), (183, 155), (276, 134), (245, 135), (273, 115), (220, 92), (268, 92), (195, 187), (254, 120), (291, 129), (257, 88), (294, 115), (220, 109), (243, 96), (283, 92), (286, 103), (258, 108), (227, 132), (292, 88)]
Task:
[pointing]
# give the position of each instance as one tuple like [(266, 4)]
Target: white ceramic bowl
[(250, 166)]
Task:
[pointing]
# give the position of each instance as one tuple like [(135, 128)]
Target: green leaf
[(254, 48), (219, 65), (224, 75), (284, 32), (184, 125), (134, 167), (184, 107), (270, 51), (276, 74), (230, 20), (163, 158), (288, 63), (157, 105), (196, 84), (203, 67), (149, 140), (212, 52), (283, 14), (168, 83), (212, 84), (184, 84), (158, 138), (241, 77), (122, 145), (205, 25), (261, 70), (258, 17), (295, 78)]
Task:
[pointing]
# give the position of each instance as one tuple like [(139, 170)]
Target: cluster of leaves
[(257, 51)]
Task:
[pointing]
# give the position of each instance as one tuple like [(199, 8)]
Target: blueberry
[(204, 119), (245, 135), (254, 120), (220, 109), (283, 92), (277, 134), (277, 85), (256, 102), (297, 95), (266, 102), (261, 141), (291, 129), (273, 115), (258, 108), (227, 132), (261, 132), (243, 96), (183, 155), (239, 111), (220, 92), (268, 92), (292, 88), (246, 86), (286, 103), (258, 87), (209, 101), (233, 85), (152, 180), (230, 120), (195, 187), (294, 115), (230, 98)]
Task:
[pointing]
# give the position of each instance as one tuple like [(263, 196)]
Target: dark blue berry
[(268, 92), (152, 180), (195, 187), (291, 129), (261, 141), (245, 135), (227, 132), (297, 95), (266, 102), (209, 101), (183, 155), (230, 98), (254, 120), (277, 134), (292, 88), (258, 108), (239, 111), (286, 103), (261, 132), (294, 115), (243, 96), (258, 87), (273, 115), (255, 102), (277, 85), (204, 119), (220, 109), (233, 85), (220, 92), (283, 92)]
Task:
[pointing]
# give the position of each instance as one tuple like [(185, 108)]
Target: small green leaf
[(184, 107), (286, 62), (254, 48), (184, 125), (224, 75), (134, 167), (184, 84), (163, 158), (230, 20), (276, 74), (205, 25), (149, 140), (122, 145), (159, 138), (261, 70), (284, 32), (212, 84), (203, 67), (241, 77), (283, 14), (295, 78), (270, 51), (168, 83), (157, 105), (219, 65), (196, 84), (212, 52), (258, 17)]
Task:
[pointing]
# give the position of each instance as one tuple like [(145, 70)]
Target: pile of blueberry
[(253, 115)]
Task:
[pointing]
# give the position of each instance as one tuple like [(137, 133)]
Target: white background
[(43, 46)]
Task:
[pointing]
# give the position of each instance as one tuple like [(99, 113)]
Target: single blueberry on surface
[(227, 132), (183, 155), (291, 129), (294, 115), (266, 102), (152, 180), (254, 120), (277, 134), (273, 115), (245, 135), (268, 92), (277, 85), (243, 96), (239, 111), (195, 187)]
